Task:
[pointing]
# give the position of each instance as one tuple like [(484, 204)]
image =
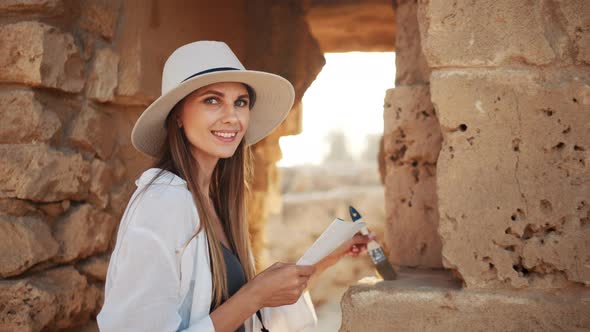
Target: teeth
[(227, 135)]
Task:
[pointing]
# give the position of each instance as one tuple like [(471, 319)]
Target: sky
[(347, 96)]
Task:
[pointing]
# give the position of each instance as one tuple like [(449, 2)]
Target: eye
[(211, 100), (242, 102)]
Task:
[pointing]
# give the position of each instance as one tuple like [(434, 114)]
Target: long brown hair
[(227, 190)]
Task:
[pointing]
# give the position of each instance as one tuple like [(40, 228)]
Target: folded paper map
[(333, 236)]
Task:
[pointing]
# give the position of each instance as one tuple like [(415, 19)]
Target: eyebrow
[(220, 94)]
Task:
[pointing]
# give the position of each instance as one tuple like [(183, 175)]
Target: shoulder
[(162, 204)]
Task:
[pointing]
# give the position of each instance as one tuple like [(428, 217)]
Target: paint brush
[(376, 253)]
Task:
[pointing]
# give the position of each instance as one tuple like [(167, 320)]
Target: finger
[(360, 239)]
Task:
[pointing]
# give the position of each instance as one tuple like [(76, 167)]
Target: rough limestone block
[(23, 118), (38, 54), (466, 33), (17, 207), (52, 300), (24, 242), (85, 231), (100, 16), (410, 64), (31, 6), (411, 141), (42, 174), (103, 76), (412, 216), (100, 185), (576, 15), (432, 301), (411, 130), (91, 131), (95, 267), (513, 176)]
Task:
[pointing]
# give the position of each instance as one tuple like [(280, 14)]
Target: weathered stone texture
[(40, 173), (513, 176), (327, 20), (432, 301), (16, 207), (576, 19), (95, 267), (91, 132), (31, 6), (411, 129), (100, 185), (85, 231), (52, 300), (412, 141), (38, 54), (100, 16), (24, 242), (481, 33), (410, 64), (24, 119), (103, 76)]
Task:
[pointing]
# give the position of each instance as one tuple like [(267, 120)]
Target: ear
[(179, 122)]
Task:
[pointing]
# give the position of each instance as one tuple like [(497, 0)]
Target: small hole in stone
[(548, 111), (578, 148), (550, 230), (546, 206), (559, 146), (513, 217), (462, 127), (566, 130), (575, 100), (528, 232), (414, 163)]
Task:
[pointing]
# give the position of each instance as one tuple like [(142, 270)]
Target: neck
[(206, 168)]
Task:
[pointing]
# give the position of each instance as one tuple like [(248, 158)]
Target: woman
[(182, 260)]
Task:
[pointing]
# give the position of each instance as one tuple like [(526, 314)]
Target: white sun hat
[(201, 63)]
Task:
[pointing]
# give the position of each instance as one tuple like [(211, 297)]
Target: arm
[(143, 293)]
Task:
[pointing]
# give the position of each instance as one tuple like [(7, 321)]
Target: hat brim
[(274, 99)]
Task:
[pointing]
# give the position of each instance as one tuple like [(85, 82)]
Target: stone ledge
[(434, 301)]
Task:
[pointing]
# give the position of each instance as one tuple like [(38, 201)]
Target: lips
[(225, 135)]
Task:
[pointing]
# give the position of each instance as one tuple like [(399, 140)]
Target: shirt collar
[(166, 177)]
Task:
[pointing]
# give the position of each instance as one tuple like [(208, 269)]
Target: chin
[(225, 153)]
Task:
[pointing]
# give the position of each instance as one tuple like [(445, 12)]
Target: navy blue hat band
[(210, 71)]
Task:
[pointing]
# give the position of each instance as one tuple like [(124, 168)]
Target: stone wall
[(74, 77), (509, 82), (412, 141), (511, 91)]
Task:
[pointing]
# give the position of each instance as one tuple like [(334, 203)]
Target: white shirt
[(148, 285)]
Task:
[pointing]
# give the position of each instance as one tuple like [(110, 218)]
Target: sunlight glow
[(347, 96)]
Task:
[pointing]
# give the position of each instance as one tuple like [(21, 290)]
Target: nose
[(230, 115)]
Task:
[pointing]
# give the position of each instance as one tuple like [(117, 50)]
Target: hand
[(352, 247), (279, 284)]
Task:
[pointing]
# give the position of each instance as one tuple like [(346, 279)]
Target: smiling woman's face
[(215, 118)]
